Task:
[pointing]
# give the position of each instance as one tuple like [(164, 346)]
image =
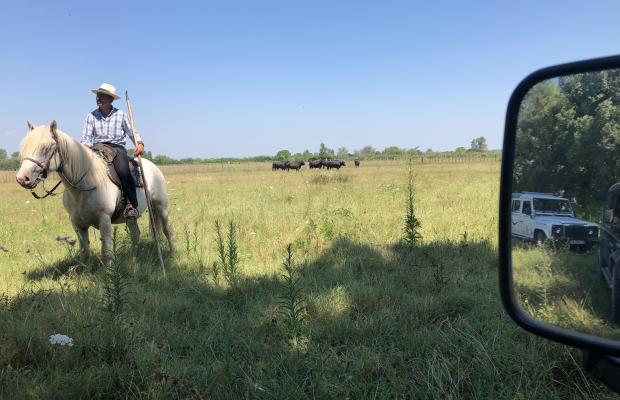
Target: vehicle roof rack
[(546, 194)]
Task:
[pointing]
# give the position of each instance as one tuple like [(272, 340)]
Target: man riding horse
[(109, 125)]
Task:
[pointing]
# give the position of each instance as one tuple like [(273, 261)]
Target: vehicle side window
[(516, 206), (527, 207)]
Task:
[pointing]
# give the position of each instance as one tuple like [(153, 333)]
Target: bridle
[(45, 169)]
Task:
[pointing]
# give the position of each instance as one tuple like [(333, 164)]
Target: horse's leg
[(82, 234), (105, 229), (153, 223), (134, 232), (162, 222)]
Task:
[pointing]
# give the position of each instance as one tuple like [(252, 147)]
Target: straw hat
[(107, 89)]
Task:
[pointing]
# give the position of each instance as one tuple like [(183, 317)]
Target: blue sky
[(244, 78)]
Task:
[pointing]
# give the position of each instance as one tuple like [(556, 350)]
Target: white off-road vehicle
[(541, 216)]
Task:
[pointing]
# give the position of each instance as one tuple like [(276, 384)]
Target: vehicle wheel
[(600, 264), (540, 237), (615, 296)]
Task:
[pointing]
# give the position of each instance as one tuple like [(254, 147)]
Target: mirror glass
[(566, 203)]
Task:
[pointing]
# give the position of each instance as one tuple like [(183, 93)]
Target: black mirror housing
[(580, 340)]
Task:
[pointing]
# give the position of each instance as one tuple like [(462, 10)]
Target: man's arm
[(127, 129), (87, 134)]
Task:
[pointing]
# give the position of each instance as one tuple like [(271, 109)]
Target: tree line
[(568, 137), (367, 152)]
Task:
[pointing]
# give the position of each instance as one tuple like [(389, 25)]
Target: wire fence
[(9, 176)]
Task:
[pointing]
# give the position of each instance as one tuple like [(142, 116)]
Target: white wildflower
[(28, 202), (172, 189), (270, 187), (253, 233), (61, 340), (178, 209)]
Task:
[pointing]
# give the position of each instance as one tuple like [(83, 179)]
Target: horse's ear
[(53, 128), (31, 126)]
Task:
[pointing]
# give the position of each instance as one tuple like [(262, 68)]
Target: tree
[(2, 154), (461, 150), (343, 152), (306, 155), (414, 152), (392, 151), (479, 144), (366, 151), (297, 156), (325, 152), (283, 155), (568, 137), (164, 160), (429, 150)]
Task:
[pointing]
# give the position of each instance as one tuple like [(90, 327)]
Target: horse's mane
[(78, 160)]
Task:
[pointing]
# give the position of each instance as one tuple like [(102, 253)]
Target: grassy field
[(371, 318), (557, 285)]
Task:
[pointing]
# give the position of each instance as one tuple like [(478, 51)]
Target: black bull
[(335, 164)]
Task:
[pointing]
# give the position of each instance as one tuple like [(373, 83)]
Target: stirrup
[(130, 212)]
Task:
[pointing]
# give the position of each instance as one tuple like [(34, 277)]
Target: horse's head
[(40, 151)]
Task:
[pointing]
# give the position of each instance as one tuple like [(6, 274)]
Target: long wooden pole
[(146, 189)]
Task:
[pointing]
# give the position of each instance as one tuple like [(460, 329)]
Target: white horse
[(89, 197)]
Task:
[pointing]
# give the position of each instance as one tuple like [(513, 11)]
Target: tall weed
[(228, 254), (291, 303), (411, 230), (114, 304)]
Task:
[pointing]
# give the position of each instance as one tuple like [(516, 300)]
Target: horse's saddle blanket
[(108, 154)]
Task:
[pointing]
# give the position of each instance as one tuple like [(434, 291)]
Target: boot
[(130, 212)]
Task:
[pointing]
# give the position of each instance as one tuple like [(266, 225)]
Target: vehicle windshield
[(554, 206)]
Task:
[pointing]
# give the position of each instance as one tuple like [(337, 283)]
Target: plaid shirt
[(112, 129)]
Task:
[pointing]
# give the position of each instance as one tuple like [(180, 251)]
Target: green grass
[(380, 320), (560, 286)]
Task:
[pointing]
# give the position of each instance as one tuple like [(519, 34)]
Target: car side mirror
[(560, 143)]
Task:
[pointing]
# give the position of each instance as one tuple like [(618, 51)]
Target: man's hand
[(139, 150)]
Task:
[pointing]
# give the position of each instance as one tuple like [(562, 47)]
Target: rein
[(45, 168)]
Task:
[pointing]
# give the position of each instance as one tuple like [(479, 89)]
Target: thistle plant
[(228, 253), (291, 304), (114, 301), (191, 239), (411, 234)]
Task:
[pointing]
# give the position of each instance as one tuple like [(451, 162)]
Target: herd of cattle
[(296, 165)]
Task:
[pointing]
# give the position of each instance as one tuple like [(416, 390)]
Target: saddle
[(108, 154)]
